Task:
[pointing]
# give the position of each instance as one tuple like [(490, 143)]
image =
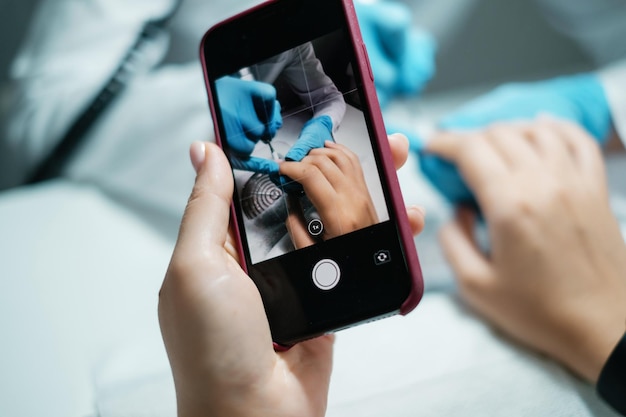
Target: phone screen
[(314, 214), (316, 101)]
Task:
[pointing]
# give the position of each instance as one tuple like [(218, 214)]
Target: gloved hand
[(250, 112), (313, 135), (255, 164), (578, 98), (402, 57)]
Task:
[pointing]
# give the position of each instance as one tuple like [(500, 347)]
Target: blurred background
[(502, 29), (82, 257)]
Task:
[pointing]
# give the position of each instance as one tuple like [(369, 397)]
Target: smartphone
[(321, 224)]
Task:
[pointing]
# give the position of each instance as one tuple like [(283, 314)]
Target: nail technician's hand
[(555, 278), (402, 56), (213, 322), (250, 112), (313, 135)]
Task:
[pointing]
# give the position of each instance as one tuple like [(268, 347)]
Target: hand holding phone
[(211, 314), (212, 320), (360, 263)]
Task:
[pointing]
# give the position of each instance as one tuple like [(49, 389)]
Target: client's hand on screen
[(213, 322), (332, 178)]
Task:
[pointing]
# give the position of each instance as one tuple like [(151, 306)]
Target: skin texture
[(333, 180), (212, 318), (555, 277)]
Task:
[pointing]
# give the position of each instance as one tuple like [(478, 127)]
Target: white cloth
[(72, 49)]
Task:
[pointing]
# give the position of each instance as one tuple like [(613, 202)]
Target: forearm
[(309, 81)]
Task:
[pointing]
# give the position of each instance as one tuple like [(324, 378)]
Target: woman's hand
[(555, 278), (213, 322)]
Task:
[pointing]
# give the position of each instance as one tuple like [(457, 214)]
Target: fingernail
[(197, 152), (421, 210), (398, 135)]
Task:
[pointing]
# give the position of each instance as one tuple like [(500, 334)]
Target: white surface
[(79, 279), (441, 361)]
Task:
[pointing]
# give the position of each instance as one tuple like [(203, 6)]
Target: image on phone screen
[(306, 116)]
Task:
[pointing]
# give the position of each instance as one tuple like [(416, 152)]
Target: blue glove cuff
[(255, 164), (587, 92), (324, 120), (313, 135)]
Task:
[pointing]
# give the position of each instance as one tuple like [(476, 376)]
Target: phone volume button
[(367, 59)]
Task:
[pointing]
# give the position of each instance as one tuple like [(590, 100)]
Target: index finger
[(314, 181), (399, 145), (480, 165)]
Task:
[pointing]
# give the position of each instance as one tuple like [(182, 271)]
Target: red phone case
[(390, 179)]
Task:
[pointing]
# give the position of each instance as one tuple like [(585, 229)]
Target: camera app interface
[(298, 142)]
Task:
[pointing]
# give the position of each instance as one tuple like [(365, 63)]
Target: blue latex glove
[(578, 98), (402, 57), (251, 113), (255, 164), (313, 135)]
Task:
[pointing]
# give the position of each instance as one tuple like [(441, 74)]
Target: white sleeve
[(325, 98), (614, 81), (309, 81), (71, 51)]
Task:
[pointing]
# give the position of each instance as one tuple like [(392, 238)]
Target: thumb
[(416, 138), (471, 268), (206, 218)]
